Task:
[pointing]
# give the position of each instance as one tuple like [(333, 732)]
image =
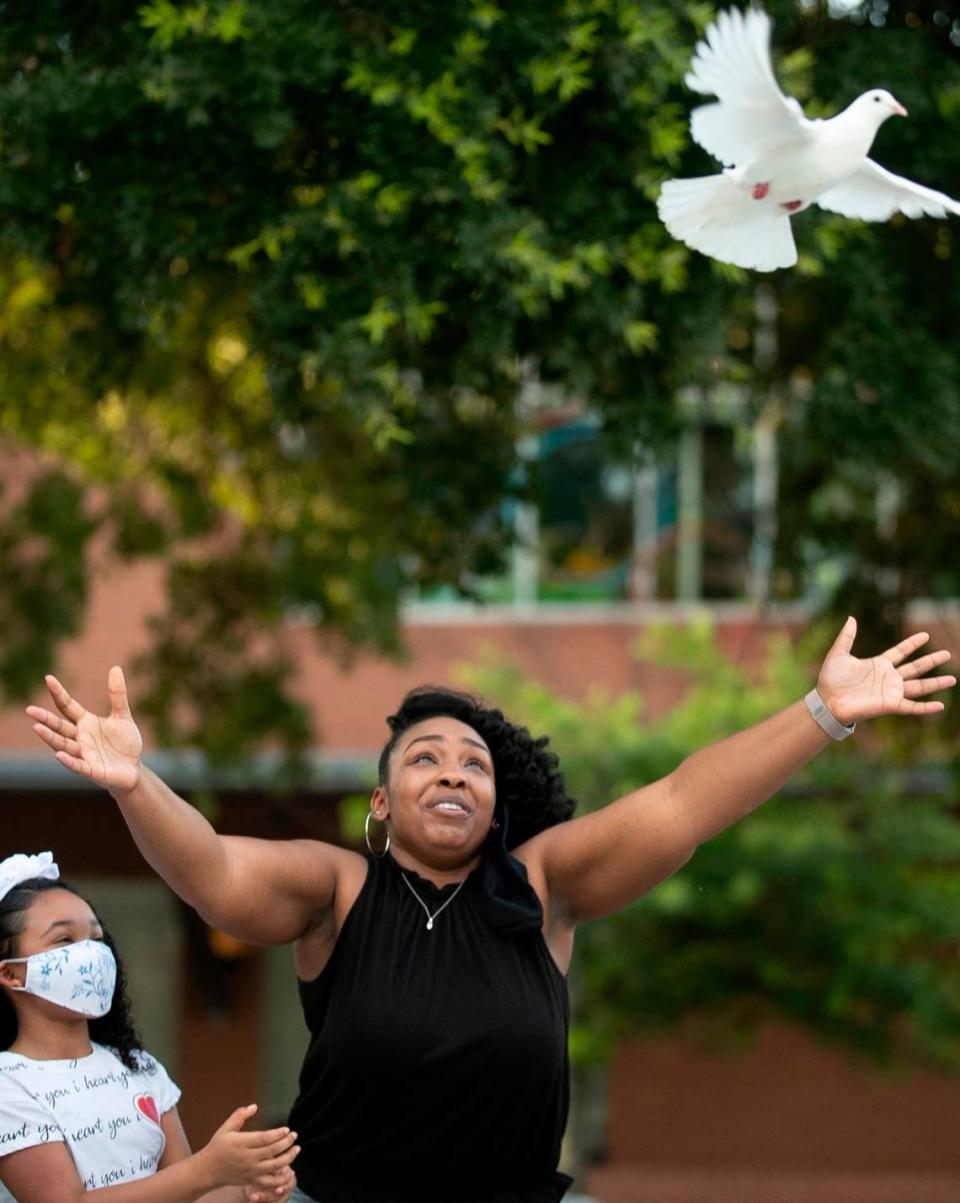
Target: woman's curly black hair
[(115, 1029), (529, 783)]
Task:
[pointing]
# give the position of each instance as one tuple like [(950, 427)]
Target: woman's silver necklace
[(426, 909)]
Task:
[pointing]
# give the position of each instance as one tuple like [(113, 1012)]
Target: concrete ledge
[(921, 611), (327, 772)]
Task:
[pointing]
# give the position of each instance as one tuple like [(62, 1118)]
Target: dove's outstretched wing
[(874, 194), (751, 114)]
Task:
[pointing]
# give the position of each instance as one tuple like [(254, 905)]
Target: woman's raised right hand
[(107, 750), (237, 1158)]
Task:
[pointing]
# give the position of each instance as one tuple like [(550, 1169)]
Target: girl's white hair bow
[(21, 867)]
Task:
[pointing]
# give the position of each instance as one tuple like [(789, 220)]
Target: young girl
[(85, 1113)]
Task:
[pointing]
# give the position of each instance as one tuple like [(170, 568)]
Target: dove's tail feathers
[(686, 205), (762, 245), (709, 215)]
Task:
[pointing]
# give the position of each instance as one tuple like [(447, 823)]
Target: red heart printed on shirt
[(147, 1105)]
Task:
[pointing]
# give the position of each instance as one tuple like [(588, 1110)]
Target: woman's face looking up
[(440, 791)]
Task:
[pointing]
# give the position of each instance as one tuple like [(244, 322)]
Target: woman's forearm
[(721, 783), (174, 838)]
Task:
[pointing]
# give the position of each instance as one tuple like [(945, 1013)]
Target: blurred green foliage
[(42, 544), (352, 814), (270, 273), (835, 906)]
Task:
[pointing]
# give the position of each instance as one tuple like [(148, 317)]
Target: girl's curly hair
[(529, 783), (115, 1029)]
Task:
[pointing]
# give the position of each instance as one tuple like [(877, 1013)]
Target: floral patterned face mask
[(79, 976)]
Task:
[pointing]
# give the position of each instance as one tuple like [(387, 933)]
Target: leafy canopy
[(270, 276)]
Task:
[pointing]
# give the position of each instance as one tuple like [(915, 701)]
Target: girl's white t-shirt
[(107, 1115)]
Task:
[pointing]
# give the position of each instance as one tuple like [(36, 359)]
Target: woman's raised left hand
[(891, 683), (104, 748)]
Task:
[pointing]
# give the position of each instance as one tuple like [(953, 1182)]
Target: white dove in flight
[(777, 161)]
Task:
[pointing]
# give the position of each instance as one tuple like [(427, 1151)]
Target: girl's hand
[(254, 1159), (279, 1194), (855, 689), (107, 750)]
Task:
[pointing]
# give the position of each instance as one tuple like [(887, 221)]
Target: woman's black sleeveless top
[(437, 1067)]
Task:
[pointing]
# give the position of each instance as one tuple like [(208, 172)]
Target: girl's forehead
[(53, 906)]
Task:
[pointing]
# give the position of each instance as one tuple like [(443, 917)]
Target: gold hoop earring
[(366, 836)]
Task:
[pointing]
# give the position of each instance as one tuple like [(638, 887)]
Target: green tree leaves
[(381, 214), (269, 273)]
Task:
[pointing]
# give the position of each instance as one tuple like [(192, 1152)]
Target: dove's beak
[(899, 109)]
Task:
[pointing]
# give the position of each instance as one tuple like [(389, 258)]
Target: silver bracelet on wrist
[(824, 719)]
